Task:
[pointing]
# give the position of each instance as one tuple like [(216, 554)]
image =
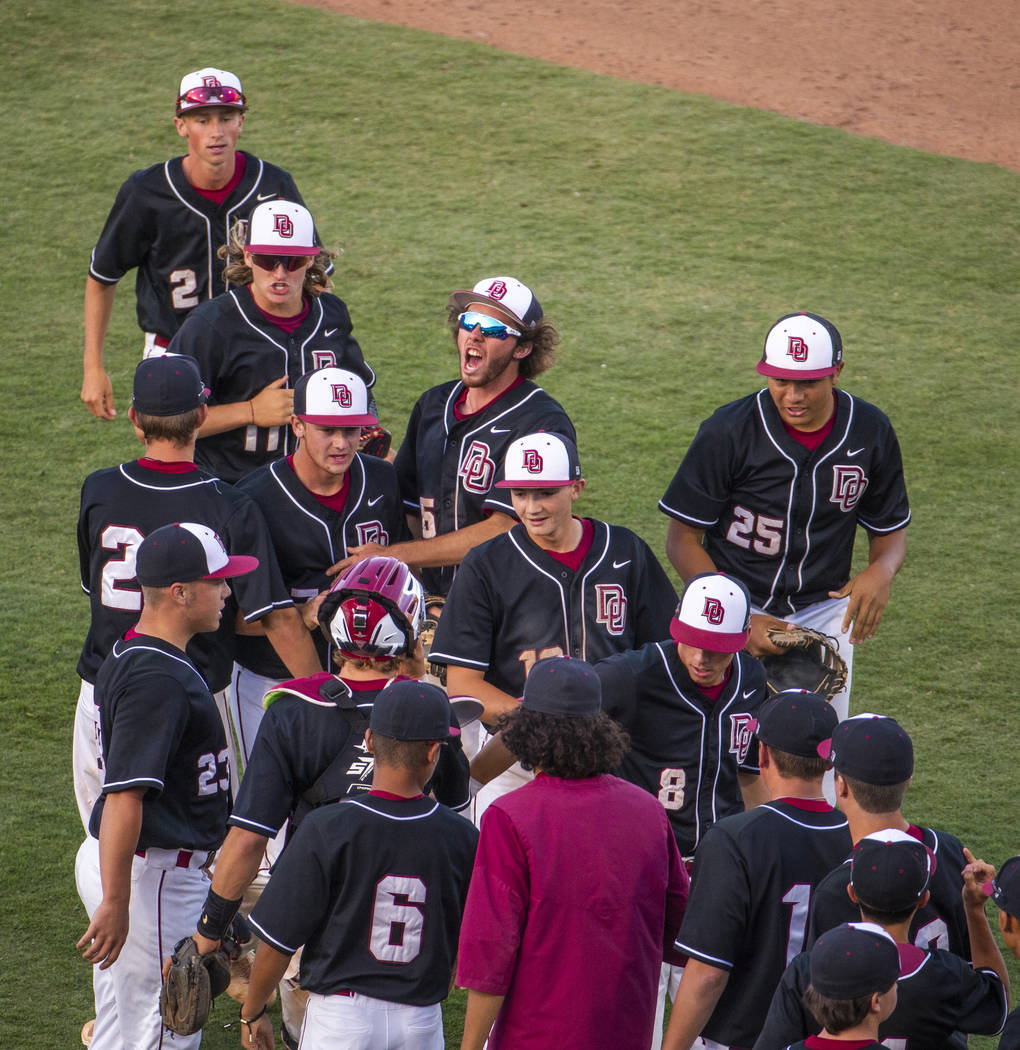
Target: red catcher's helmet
[(375, 610)]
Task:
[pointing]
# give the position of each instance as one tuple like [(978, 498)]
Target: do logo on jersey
[(742, 727), (611, 607), (848, 485), (496, 290), (797, 348), (713, 611), (532, 461), (477, 468), (342, 395), (282, 225)]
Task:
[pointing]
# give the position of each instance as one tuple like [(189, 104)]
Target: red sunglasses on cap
[(209, 94)]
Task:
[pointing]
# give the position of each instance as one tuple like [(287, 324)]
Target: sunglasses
[(289, 262), (490, 327), (201, 96)]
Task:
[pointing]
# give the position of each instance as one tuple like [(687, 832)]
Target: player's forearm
[(266, 973), (685, 550), (465, 681), (286, 630), (451, 547), (984, 952), (98, 310), (227, 417), (699, 991), (479, 1018), (237, 862), (118, 840), (493, 759), (888, 550)]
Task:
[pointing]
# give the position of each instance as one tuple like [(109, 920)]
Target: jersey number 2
[(183, 284), (397, 919), (120, 570)]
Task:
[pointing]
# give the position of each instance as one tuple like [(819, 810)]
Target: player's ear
[(522, 349), (298, 426), (835, 375), (182, 127), (368, 741), (851, 894), (576, 488)]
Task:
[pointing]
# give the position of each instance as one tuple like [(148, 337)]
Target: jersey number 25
[(755, 531)]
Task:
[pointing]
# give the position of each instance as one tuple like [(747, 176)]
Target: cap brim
[(339, 421), (279, 249), (775, 372), (533, 484), (462, 299), (467, 709), (713, 641), (237, 565)]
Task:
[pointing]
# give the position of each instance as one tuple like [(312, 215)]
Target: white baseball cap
[(540, 461), (508, 294), (801, 346), (714, 614), (281, 228), (210, 87), (333, 397)]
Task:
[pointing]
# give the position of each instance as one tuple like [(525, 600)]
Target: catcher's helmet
[(374, 610)]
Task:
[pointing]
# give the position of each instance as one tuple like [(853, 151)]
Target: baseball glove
[(375, 441), (809, 660), (192, 982)]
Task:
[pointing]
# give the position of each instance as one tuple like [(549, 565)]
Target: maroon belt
[(183, 856), (160, 341), (346, 992)]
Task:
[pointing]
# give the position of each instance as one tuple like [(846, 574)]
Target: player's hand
[(366, 550), (758, 643), (259, 1036), (204, 945), (310, 613), (273, 406), (869, 594), (103, 940), (976, 875), (97, 393)]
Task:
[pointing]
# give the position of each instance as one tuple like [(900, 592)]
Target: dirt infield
[(938, 75)]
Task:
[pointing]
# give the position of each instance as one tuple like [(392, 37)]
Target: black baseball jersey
[(374, 888), (685, 748), (162, 225), (301, 736), (782, 518), (309, 537), (941, 923), (1010, 1038), (447, 467), (512, 603), (120, 506), (750, 894), (161, 731), (938, 994), (239, 353)]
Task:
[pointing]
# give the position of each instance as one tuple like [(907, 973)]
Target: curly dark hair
[(238, 272), (543, 337), (562, 746)]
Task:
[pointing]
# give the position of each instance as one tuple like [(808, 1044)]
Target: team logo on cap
[(210, 82), (477, 468), (611, 607), (713, 611), (797, 348), (342, 395), (283, 225), (848, 485), (496, 290), (742, 727), (532, 461)]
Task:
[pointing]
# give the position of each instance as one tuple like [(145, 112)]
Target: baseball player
[(170, 221), (163, 810), (121, 505), (319, 502), (873, 758), (753, 877), (382, 879), (774, 485), (1004, 889), (939, 992), (459, 432), (309, 749), (254, 341)]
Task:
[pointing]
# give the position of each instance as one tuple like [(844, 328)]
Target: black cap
[(411, 710), (854, 959), (168, 386), (890, 870), (185, 552), (796, 721), (1005, 887), (561, 685), (873, 749)]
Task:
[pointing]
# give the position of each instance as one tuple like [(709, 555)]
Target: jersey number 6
[(397, 918)]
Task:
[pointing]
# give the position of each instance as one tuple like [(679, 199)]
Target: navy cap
[(890, 870), (411, 710), (561, 685), (184, 552), (855, 959), (1004, 889), (796, 721), (168, 386), (873, 749)]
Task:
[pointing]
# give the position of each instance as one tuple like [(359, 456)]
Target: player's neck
[(398, 781), (207, 176), (899, 931), (479, 396), (862, 824), (168, 452), (867, 1030), (794, 787), (313, 478), (166, 624), (564, 540)]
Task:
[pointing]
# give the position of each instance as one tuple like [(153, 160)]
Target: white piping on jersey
[(715, 960), (356, 502), (789, 501), (917, 969), (556, 583), (255, 614), (674, 513), (95, 273), (389, 816), (133, 781), (800, 823), (285, 948), (584, 582), (164, 488), (254, 825), (208, 228), (155, 649)]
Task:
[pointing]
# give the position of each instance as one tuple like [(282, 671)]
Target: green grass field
[(663, 232)]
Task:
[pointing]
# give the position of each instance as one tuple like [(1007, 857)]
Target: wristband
[(249, 1021), (216, 915)]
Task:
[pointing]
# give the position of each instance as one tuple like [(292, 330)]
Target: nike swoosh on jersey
[(373, 502), (854, 451), (330, 331), (620, 564), (750, 692), (499, 430), (266, 196)]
